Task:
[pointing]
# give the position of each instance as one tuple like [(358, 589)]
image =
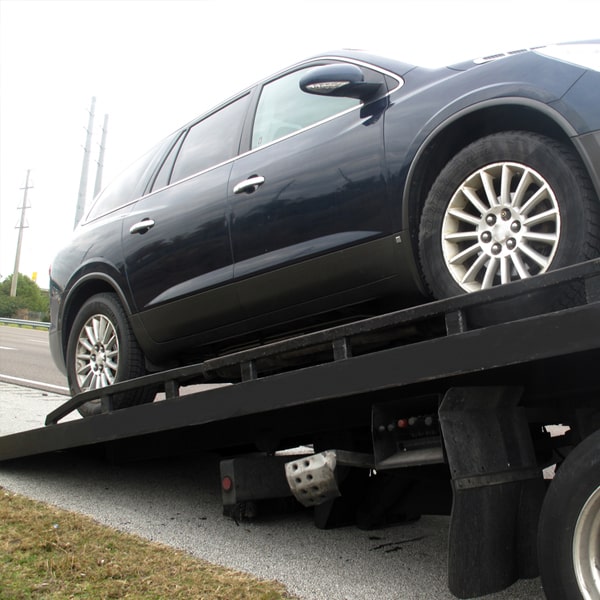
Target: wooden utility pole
[(22, 225)]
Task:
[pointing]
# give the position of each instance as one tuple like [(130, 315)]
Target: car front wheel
[(507, 207), (102, 350)]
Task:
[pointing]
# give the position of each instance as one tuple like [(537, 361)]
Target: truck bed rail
[(434, 320)]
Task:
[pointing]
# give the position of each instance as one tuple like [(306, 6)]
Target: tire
[(509, 206), (103, 350), (569, 527)]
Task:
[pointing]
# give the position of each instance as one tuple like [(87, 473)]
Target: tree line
[(31, 302)]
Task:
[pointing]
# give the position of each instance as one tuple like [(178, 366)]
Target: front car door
[(316, 227)]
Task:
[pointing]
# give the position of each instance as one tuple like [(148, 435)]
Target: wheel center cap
[(99, 357), (501, 232)]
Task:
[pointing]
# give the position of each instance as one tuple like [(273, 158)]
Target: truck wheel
[(102, 350), (569, 527), (507, 207)]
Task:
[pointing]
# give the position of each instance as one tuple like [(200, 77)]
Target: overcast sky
[(155, 64)]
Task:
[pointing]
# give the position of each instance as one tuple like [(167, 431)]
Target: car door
[(309, 209), (176, 240)]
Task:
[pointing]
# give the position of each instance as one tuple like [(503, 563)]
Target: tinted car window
[(125, 187), (284, 108), (211, 141), (164, 174)]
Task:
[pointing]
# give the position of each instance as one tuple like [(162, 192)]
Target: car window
[(164, 173), (212, 141), (125, 187), (284, 108)]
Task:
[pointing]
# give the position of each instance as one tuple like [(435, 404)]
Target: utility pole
[(22, 225), (98, 183), (83, 182)]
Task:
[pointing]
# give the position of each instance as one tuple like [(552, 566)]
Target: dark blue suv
[(342, 186)]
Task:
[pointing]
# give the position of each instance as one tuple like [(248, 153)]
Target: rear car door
[(313, 226), (176, 240)]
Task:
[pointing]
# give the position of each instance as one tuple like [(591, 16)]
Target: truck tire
[(569, 527), (102, 350), (507, 207)]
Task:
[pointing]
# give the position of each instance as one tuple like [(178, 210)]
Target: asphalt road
[(25, 359), (177, 502)]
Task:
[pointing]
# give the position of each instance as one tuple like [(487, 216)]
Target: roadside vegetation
[(53, 554), (31, 302)]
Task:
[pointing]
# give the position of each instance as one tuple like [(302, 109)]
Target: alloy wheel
[(502, 224), (97, 353)]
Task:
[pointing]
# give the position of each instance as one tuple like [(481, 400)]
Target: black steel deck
[(309, 380)]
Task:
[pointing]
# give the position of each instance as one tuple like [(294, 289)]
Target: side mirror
[(341, 80)]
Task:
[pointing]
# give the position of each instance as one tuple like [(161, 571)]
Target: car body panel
[(93, 255), (324, 190), (185, 254), (583, 99)]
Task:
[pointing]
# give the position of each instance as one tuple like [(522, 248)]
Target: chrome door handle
[(142, 226), (249, 185)]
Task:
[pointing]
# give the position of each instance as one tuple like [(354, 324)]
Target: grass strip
[(49, 553)]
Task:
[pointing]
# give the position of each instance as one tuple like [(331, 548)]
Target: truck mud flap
[(497, 490)]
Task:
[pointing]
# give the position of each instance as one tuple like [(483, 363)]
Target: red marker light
[(402, 423), (227, 483)]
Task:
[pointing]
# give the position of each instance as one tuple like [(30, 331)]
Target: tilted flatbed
[(458, 392)]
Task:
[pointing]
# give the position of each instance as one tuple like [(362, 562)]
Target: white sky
[(155, 64)]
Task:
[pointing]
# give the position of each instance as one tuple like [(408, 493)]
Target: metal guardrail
[(24, 323)]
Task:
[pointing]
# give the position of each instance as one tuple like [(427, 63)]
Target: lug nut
[(511, 243), (490, 220), (496, 249), (515, 226), (505, 214), (486, 237)]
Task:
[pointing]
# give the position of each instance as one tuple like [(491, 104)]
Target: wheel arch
[(455, 133), (86, 287)]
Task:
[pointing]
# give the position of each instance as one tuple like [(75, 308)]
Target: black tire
[(569, 527), (102, 350), (466, 242)]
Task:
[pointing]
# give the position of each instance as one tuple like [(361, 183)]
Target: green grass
[(49, 553)]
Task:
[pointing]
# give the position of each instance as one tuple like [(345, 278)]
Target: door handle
[(142, 226), (249, 185)]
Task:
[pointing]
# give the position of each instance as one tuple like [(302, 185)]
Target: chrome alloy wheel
[(97, 353), (502, 224), (586, 548)]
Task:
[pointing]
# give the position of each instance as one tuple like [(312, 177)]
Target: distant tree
[(29, 298), (8, 306)]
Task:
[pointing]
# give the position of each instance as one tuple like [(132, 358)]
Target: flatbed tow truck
[(447, 407)]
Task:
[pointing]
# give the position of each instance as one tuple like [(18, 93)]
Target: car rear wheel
[(509, 206), (102, 350)]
